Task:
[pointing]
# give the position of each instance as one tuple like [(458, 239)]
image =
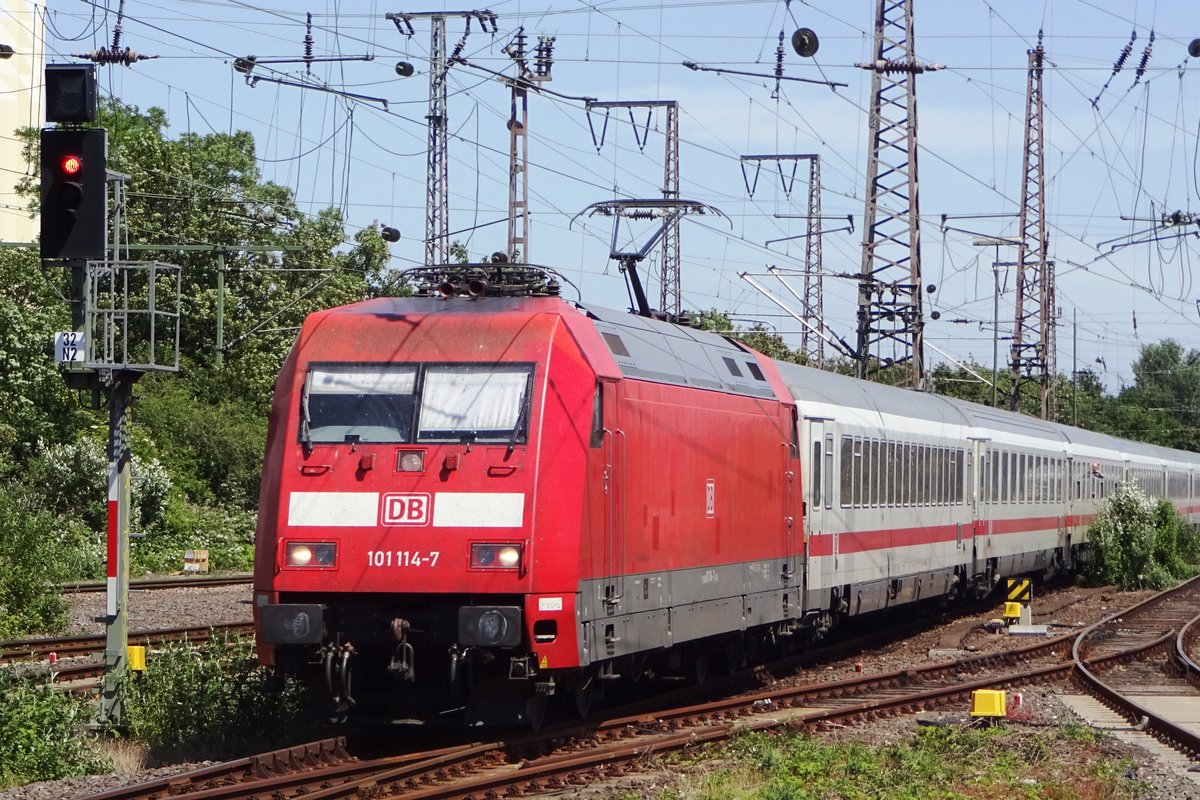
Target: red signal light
[(71, 164)]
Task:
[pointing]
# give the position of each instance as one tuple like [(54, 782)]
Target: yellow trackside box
[(135, 655), (1012, 610), (988, 703), (195, 561)]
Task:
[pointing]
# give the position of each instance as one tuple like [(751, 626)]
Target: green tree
[(757, 337)]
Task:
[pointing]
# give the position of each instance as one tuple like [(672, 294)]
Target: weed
[(42, 733), (211, 701)]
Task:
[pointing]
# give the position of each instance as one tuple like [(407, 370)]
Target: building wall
[(21, 27)]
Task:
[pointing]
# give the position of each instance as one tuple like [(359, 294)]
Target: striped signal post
[(119, 500)]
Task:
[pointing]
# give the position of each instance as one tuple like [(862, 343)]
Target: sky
[(1120, 150)]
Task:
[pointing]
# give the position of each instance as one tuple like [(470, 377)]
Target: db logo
[(405, 509)]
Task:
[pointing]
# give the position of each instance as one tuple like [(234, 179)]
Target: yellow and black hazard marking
[(1020, 590)]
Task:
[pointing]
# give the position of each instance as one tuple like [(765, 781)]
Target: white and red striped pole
[(119, 499)]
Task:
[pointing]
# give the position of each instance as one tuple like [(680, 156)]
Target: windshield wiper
[(519, 424), (305, 428)]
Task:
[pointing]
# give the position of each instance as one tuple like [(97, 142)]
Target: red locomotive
[(483, 495)]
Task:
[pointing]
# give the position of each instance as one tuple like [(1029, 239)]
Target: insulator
[(308, 44), (1141, 68), (894, 65), (405, 69), (104, 56), (935, 315), (244, 65)]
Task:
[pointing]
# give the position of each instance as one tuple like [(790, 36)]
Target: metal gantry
[(812, 341), (670, 296), (890, 317), (1033, 342)]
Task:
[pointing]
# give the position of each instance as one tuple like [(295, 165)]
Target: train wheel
[(700, 666), (536, 704), (584, 690)]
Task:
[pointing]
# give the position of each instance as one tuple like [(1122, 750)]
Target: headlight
[(496, 556), (411, 461), (310, 554)]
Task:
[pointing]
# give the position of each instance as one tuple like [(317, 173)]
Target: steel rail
[(1163, 728), (176, 582), (65, 646)]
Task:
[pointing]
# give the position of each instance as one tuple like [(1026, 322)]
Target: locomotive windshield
[(406, 403)]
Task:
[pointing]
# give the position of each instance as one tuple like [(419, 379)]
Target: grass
[(938, 763)]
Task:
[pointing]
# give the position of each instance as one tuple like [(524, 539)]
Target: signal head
[(70, 164)]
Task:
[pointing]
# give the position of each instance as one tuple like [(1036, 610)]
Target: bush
[(41, 733), (211, 701), (227, 533), (37, 549), (1135, 543), (72, 479)]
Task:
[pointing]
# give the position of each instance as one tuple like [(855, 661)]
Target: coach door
[(792, 524), (613, 557), (974, 535), (817, 491)]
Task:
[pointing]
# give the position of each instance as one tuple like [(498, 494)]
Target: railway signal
[(73, 172)]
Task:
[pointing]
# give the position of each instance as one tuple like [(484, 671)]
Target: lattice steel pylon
[(437, 181), (812, 345), (1033, 341), (889, 293)]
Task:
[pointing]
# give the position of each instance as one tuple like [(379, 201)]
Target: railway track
[(174, 582), (1153, 637), (1139, 664), (85, 645)]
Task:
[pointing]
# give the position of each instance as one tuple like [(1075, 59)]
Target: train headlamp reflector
[(496, 556), (491, 627), (411, 461), (310, 554)]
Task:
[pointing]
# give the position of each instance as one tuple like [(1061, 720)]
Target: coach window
[(816, 475), (943, 489), (847, 471), (937, 476), (828, 470), (889, 489), (876, 472), (919, 475), (859, 472), (985, 477), (960, 467)]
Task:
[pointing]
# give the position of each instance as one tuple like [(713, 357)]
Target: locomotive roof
[(664, 352)]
